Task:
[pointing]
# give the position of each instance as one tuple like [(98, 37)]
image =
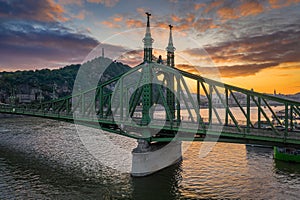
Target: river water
[(46, 159)]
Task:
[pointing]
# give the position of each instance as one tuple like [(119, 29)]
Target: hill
[(29, 86)]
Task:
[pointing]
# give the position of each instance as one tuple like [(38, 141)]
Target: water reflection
[(286, 167), (44, 159), (218, 175), (23, 178), (161, 185)]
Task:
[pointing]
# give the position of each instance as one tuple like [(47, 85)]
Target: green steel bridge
[(157, 103)]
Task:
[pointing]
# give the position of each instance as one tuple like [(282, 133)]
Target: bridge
[(158, 103)]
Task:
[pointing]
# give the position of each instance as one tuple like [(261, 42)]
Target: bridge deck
[(183, 131)]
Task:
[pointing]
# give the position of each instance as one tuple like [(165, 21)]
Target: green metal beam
[(165, 103), (227, 106), (196, 107), (297, 111), (265, 115), (248, 113), (212, 108), (273, 113), (215, 110), (291, 117), (228, 110), (239, 105)]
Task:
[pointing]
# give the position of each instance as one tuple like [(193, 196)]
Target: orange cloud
[(250, 8), (175, 18), (134, 23), (161, 25), (117, 18), (110, 24), (213, 5), (190, 18), (49, 11), (246, 8), (113, 22), (227, 13), (203, 24), (54, 11), (182, 27)]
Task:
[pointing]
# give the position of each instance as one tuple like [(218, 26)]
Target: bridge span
[(219, 113)]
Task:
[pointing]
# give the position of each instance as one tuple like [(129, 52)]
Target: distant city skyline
[(252, 44)]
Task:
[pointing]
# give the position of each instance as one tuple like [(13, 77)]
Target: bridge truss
[(158, 103)]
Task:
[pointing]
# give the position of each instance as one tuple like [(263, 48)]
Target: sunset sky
[(252, 44)]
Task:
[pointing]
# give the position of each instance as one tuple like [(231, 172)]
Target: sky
[(251, 44)]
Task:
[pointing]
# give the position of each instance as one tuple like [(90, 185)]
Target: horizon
[(251, 44)]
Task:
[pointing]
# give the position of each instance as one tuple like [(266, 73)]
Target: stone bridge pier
[(148, 158)]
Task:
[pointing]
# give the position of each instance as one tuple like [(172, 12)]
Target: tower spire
[(170, 82), (148, 41), (170, 50)]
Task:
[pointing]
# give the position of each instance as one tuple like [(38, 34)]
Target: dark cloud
[(227, 71), (244, 70), (32, 36), (282, 46), (261, 51), (46, 11), (25, 44)]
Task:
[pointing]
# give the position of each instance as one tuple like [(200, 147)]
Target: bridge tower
[(150, 157), (170, 84), (147, 75)]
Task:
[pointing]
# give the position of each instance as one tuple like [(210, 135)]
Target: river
[(46, 159)]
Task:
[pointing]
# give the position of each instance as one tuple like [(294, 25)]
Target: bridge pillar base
[(149, 158)]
